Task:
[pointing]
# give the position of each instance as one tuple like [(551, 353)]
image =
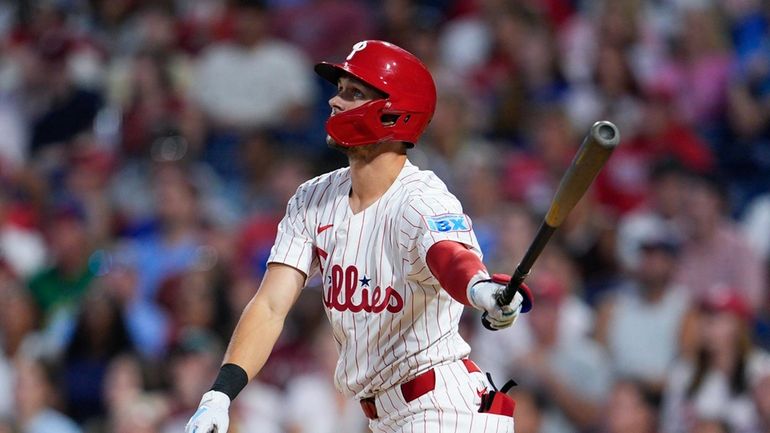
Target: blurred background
[(148, 149)]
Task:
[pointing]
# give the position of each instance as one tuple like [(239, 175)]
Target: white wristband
[(479, 276)]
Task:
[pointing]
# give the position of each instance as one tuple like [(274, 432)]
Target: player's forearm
[(258, 328), (254, 337)]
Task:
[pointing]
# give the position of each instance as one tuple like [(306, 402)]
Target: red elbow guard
[(453, 265)]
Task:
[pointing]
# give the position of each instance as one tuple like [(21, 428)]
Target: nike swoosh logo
[(481, 392), (322, 228)]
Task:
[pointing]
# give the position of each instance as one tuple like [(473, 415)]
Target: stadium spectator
[(532, 175), (152, 101), (313, 26), (715, 382), (316, 406), (524, 76), (22, 246), (268, 183), (530, 402), (553, 353), (700, 71), (573, 373), (19, 334), (745, 150), (625, 183), (99, 336), (647, 322), (192, 365), (85, 184), (254, 81), (661, 212), (588, 236), (716, 253), (173, 242), (614, 93), (451, 143), (760, 393), (194, 301), (515, 228), (36, 399), (59, 288), (129, 406), (66, 109), (756, 225), (632, 408), (261, 407), (575, 318)]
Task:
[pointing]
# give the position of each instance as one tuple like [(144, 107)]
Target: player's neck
[(372, 176)]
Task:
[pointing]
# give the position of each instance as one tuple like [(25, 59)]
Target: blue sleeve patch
[(448, 223)]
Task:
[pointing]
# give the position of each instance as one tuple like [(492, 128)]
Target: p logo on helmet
[(359, 46), (410, 93)]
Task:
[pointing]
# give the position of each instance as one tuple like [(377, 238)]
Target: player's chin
[(334, 145)]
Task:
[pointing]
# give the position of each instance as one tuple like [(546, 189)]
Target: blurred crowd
[(148, 149)]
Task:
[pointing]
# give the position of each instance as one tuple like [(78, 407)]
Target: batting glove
[(482, 294), (212, 414)]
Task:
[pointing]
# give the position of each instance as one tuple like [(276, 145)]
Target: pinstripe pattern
[(450, 408), (390, 318)]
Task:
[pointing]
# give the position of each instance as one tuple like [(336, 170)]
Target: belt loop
[(369, 407), (471, 366)]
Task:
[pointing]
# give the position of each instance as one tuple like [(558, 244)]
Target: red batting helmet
[(411, 95)]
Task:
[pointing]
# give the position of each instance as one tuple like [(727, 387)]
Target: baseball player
[(398, 259)]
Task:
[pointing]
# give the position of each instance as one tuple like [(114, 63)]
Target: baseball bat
[(596, 148)]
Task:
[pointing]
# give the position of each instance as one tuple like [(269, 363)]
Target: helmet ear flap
[(361, 125), (388, 120)]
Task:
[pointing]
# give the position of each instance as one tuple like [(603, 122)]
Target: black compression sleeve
[(230, 380)]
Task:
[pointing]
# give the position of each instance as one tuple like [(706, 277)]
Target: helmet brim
[(332, 72)]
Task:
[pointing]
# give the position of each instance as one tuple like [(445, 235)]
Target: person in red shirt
[(623, 185)]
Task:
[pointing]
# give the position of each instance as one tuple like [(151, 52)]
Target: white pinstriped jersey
[(390, 317)]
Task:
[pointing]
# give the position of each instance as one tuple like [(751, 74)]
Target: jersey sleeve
[(294, 243), (430, 219)]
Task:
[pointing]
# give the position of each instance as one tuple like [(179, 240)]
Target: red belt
[(415, 388)]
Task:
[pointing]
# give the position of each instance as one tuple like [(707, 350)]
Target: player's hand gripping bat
[(593, 153)]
